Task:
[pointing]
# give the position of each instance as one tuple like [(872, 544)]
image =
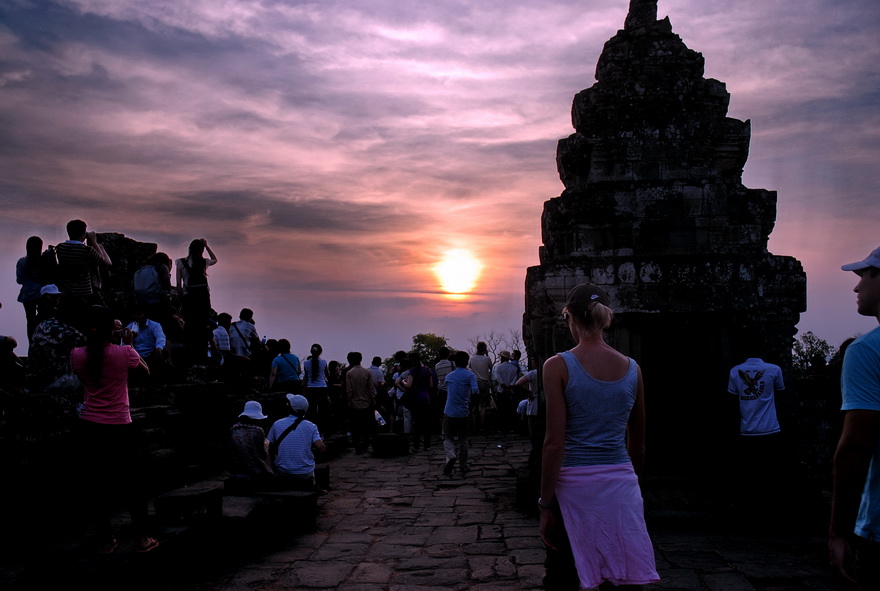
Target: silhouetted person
[(192, 286), (360, 395), (855, 507), (292, 440), (79, 257), (29, 274), (106, 433), (592, 514), (249, 455), (461, 384)]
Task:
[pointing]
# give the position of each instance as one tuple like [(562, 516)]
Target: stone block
[(190, 505)]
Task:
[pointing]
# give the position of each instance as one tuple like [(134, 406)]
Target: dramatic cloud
[(331, 152)]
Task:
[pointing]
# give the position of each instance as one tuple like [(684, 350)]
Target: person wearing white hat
[(48, 363), (854, 531), (292, 441), (250, 454), (49, 303)]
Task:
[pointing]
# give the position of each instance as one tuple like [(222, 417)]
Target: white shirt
[(241, 346)]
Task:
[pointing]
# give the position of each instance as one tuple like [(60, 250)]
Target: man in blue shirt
[(461, 384), (148, 339), (293, 441), (854, 532)]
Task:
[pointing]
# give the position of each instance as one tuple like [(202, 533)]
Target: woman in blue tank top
[(592, 515)]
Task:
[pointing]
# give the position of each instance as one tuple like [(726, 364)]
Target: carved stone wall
[(654, 211), (117, 282)]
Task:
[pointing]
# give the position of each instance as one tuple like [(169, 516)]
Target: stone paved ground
[(399, 524)]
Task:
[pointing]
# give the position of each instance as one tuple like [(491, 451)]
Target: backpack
[(49, 266)]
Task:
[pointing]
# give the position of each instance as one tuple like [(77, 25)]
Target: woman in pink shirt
[(107, 435)]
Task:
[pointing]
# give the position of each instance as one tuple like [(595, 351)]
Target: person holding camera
[(192, 287), (78, 257)]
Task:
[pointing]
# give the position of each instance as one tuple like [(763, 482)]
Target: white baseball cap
[(872, 260)]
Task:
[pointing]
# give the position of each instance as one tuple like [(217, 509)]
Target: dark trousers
[(196, 313), (110, 466), (456, 428), (320, 409), (362, 424), (763, 472), (421, 417)]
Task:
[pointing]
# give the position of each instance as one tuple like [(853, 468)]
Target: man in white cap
[(854, 532), (291, 443)]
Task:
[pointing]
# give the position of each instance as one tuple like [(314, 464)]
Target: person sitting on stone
[(49, 303), (292, 440), (220, 345), (152, 282), (243, 333), (48, 366), (152, 290), (249, 454), (233, 367), (148, 339), (118, 330)]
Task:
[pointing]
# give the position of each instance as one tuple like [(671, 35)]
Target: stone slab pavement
[(399, 524)]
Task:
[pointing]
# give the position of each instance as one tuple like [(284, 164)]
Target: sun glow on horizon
[(458, 271)]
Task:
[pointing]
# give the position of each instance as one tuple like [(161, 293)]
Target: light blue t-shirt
[(288, 367), (860, 385), (597, 414), (295, 454), (318, 380), (147, 339), (461, 384)]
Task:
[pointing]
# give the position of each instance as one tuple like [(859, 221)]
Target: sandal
[(151, 543)]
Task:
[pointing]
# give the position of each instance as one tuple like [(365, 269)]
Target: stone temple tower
[(654, 211)]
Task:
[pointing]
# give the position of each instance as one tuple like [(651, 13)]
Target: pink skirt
[(605, 519)]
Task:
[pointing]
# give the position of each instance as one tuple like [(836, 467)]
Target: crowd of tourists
[(591, 397), (87, 357)]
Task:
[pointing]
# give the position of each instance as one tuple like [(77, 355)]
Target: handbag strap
[(246, 343), (289, 362), (290, 428)]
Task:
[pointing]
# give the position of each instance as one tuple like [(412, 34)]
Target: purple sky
[(332, 152)]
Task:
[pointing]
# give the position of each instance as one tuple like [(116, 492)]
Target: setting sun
[(458, 272)]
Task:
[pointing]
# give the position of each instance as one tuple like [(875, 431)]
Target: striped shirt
[(75, 262)]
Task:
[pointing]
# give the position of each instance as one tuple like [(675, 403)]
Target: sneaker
[(465, 470), (450, 463)]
